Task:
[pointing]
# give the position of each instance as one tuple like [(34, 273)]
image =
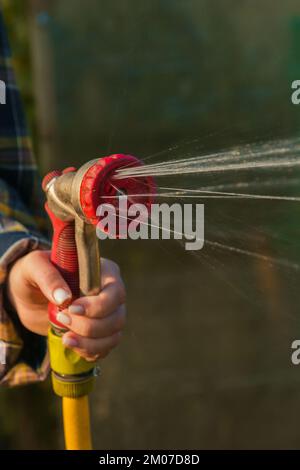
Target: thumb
[(40, 272)]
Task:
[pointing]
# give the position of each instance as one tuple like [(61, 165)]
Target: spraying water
[(266, 166), (285, 153)]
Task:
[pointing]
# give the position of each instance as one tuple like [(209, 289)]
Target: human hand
[(95, 323)]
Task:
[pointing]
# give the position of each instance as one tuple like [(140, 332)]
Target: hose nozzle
[(73, 197)]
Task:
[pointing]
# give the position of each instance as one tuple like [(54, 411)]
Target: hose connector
[(72, 376)]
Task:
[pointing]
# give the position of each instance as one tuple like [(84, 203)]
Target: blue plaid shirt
[(23, 355)]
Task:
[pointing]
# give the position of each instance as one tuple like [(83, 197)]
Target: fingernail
[(61, 295), (63, 318), (69, 342), (76, 309)]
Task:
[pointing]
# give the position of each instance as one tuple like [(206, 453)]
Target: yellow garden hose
[(76, 417), (72, 380)]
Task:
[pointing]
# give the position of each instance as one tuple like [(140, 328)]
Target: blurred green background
[(205, 361)]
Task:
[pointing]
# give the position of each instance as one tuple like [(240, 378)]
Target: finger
[(94, 328), (90, 346), (40, 272), (101, 305)]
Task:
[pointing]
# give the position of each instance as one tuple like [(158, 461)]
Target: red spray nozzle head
[(82, 191), (99, 186)]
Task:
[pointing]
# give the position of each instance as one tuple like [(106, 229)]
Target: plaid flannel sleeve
[(23, 354)]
